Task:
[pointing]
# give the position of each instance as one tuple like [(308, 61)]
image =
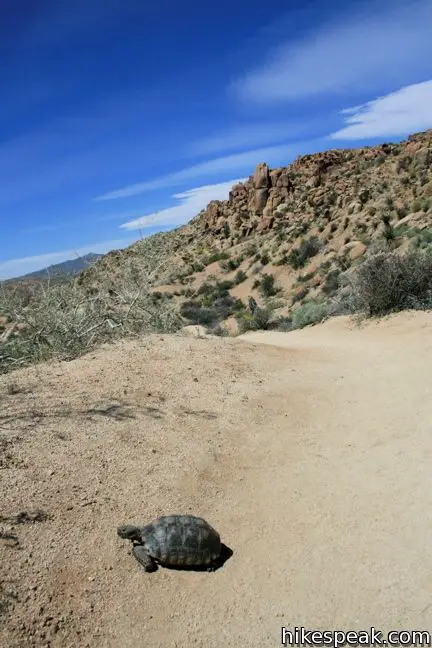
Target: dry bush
[(388, 282), (64, 322)]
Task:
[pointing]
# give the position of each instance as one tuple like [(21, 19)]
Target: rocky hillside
[(283, 251), (303, 224)]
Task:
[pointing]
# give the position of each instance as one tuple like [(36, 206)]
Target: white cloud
[(231, 163), (18, 267), (191, 203), (388, 43), (403, 112)]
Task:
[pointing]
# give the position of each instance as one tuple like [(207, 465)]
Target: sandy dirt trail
[(310, 452)]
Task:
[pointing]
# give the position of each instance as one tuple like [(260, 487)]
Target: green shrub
[(268, 286), (197, 266), (265, 258), (284, 324), (421, 238), (218, 289), (302, 278), (230, 264), (402, 212), (198, 314), (312, 312), (211, 309), (260, 320), (331, 283), (293, 259), (240, 277), (216, 256), (307, 249)]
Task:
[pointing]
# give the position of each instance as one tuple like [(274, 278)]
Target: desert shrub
[(312, 312), (251, 250), (198, 314), (421, 238), (388, 232), (284, 324), (402, 212), (293, 258), (213, 290), (260, 320), (240, 277), (227, 265), (212, 304), (331, 283), (219, 330), (307, 249), (268, 286), (197, 266), (65, 321), (216, 256), (283, 260), (301, 294), (325, 265), (389, 281), (306, 277), (265, 258), (227, 305)]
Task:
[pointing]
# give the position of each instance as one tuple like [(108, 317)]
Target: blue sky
[(122, 118)]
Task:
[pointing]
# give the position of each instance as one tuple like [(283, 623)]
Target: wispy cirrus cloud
[(231, 163), (400, 113), (380, 45), (191, 202), (24, 265)]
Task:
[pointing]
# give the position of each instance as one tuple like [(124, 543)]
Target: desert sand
[(310, 452)]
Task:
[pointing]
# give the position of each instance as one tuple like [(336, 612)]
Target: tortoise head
[(129, 532)]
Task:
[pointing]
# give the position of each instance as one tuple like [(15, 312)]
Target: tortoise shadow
[(225, 555)]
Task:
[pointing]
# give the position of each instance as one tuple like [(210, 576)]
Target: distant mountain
[(62, 270)]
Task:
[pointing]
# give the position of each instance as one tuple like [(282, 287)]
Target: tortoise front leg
[(214, 565), (140, 553)]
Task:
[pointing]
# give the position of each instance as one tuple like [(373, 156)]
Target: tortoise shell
[(181, 540)]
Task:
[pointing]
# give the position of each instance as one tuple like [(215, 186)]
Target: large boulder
[(260, 199), (261, 179)]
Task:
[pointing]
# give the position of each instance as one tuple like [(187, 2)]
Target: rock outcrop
[(334, 183)]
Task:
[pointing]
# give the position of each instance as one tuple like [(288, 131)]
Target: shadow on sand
[(225, 555)]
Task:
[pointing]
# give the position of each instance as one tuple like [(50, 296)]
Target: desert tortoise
[(174, 540)]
